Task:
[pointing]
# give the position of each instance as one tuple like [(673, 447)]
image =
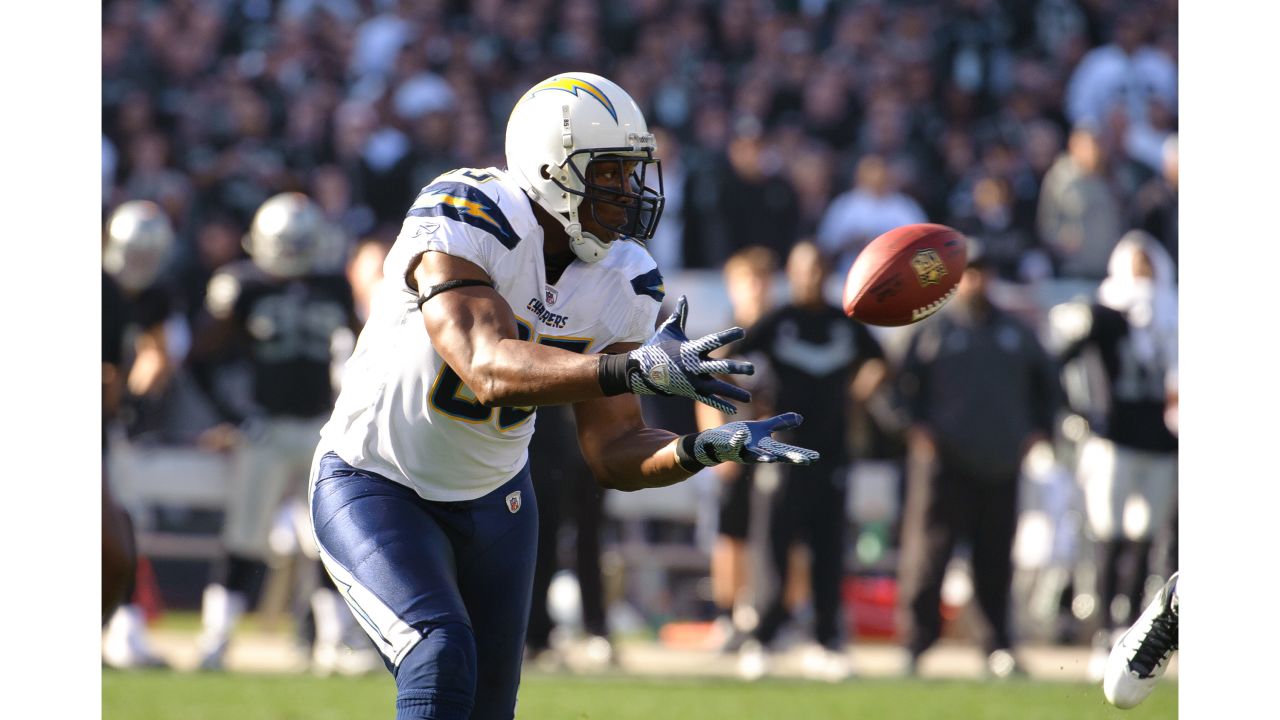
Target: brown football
[(905, 275)]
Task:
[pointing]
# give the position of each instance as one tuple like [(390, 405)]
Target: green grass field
[(166, 695)]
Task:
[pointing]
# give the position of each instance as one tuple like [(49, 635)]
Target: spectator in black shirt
[(818, 356), (567, 494), (740, 201), (748, 276), (980, 391), (1015, 251)]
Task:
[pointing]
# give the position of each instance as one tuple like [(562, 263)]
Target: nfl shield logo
[(660, 375), (513, 501), (552, 295)]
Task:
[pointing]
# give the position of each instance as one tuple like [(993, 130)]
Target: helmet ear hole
[(545, 171)]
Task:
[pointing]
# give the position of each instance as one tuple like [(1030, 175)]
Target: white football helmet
[(287, 236), (139, 240), (566, 122)]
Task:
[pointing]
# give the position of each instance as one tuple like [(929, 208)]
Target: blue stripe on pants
[(440, 575)]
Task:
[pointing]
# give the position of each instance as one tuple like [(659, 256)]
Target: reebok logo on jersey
[(513, 502), (425, 228)]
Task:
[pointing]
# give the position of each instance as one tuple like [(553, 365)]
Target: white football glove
[(669, 363), (744, 442)]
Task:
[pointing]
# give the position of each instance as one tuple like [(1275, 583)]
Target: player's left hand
[(669, 363), (747, 443)]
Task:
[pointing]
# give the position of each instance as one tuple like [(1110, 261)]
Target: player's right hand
[(746, 443), (669, 363)]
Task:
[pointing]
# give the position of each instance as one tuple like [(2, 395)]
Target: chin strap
[(587, 247)]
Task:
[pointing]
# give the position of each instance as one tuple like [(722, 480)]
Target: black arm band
[(447, 285), (612, 374), (684, 453)]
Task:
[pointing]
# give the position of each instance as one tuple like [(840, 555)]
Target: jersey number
[(289, 329), (479, 176), (453, 398)]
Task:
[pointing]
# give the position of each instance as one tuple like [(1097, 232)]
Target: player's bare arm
[(622, 452), (474, 330), (152, 366), (626, 454)]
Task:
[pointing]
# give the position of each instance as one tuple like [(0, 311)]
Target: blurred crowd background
[(1045, 129), (779, 119)]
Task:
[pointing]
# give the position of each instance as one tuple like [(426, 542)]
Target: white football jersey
[(405, 414)]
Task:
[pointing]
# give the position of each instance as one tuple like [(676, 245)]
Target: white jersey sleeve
[(453, 215)]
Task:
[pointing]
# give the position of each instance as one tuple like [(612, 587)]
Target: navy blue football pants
[(442, 588)]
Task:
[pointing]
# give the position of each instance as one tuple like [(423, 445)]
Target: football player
[(508, 289), (137, 364), (1128, 466), (280, 310), (117, 537)]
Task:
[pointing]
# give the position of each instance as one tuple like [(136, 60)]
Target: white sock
[(136, 629), (115, 643), (331, 616), (220, 608)]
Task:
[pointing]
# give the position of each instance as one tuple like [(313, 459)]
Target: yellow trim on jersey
[(431, 394), (470, 207), (528, 327), (531, 409), (496, 417), (465, 394), (566, 337)]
